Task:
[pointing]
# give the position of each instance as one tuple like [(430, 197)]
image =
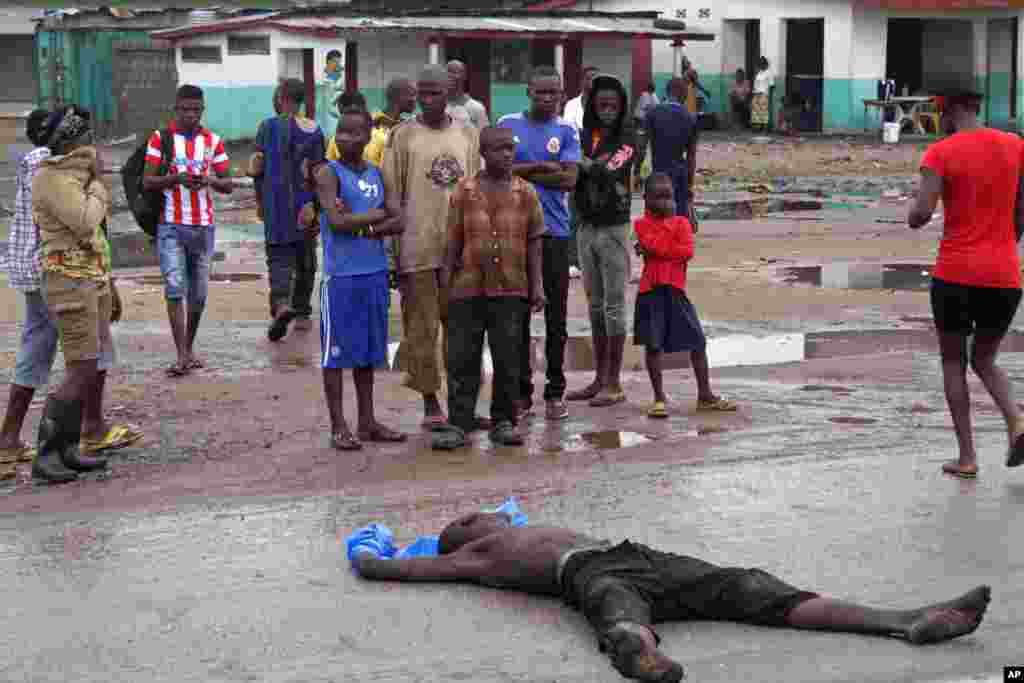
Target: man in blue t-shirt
[(547, 152), (672, 133), (354, 295)]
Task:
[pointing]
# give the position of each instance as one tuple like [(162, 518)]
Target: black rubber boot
[(71, 424), (48, 464)]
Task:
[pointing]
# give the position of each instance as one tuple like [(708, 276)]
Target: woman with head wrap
[(70, 205)]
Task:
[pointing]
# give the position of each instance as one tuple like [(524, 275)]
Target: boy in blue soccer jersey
[(354, 294), (547, 152)]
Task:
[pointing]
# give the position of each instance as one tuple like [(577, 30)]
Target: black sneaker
[(505, 434)]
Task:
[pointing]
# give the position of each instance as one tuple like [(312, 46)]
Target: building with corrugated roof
[(238, 61)]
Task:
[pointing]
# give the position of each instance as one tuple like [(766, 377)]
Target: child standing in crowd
[(493, 275), (665, 321), (354, 294)]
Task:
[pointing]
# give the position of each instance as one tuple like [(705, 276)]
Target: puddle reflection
[(901, 276)]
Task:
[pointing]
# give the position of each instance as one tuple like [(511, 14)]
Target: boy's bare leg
[(930, 624), (699, 361), (654, 371), (334, 380), (369, 428), (17, 407)]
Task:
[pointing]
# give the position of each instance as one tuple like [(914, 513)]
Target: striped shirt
[(23, 250), (198, 153)]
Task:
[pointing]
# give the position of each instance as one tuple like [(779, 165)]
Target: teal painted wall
[(999, 99), (235, 113), (508, 98)]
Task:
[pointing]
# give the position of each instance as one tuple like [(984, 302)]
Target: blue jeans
[(185, 255), (38, 349)]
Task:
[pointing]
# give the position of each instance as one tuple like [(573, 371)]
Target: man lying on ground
[(626, 588)]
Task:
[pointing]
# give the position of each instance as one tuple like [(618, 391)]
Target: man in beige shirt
[(424, 159)]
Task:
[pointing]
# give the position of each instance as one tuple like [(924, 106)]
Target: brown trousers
[(424, 310)]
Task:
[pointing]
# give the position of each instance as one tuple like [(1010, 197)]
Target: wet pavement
[(213, 551)]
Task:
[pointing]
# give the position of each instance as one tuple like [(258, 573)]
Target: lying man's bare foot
[(634, 652), (952, 619)]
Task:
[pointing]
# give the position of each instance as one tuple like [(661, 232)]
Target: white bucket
[(890, 133)]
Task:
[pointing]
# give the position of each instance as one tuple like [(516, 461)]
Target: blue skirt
[(354, 321), (666, 321)]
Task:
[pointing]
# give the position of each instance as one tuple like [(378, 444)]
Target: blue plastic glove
[(511, 508), (424, 546), (375, 539)]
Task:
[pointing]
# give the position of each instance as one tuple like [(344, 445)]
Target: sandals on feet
[(657, 411), (606, 399), (381, 434), (177, 370), (718, 404), (955, 469), (195, 364), (279, 328), (117, 437), (345, 442)]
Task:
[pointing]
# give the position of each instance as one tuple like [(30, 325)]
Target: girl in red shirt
[(665, 321)]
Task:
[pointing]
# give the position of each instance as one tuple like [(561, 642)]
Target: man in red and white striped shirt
[(185, 236)]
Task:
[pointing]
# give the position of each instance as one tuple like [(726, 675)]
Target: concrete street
[(214, 551)]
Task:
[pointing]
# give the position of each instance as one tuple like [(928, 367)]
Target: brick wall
[(145, 78)]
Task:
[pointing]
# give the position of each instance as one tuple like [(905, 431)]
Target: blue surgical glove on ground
[(369, 537), (375, 539)]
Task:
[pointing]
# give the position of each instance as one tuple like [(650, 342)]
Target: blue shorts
[(666, 321), (38, 349), (185, 254), (354, 321)]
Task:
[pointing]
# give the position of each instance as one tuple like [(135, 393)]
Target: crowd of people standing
[(475, 224)]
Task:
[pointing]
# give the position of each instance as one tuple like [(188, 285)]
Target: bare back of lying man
[(624, 589)]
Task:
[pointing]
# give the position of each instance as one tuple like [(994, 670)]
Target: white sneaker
[(574, 272)]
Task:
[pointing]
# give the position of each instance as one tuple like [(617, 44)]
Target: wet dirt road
[(213, 551)]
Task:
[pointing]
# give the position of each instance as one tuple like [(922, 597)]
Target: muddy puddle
[(915, 277), (606, 440)]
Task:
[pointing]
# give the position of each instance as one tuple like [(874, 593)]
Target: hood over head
[(607, 82)]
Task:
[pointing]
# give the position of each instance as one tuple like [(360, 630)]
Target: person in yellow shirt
[(400, 96)]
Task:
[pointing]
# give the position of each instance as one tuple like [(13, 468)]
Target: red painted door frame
[(351, 66)]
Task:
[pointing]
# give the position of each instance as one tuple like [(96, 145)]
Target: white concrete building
[(835, 51)]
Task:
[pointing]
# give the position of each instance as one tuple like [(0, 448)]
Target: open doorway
[(922, 53), (805, 72), (741, 49), (476, 55)]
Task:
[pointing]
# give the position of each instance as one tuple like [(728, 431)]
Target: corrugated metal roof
[(509, 22), (938, 4)]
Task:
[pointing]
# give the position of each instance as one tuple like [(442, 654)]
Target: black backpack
[(146, 206)]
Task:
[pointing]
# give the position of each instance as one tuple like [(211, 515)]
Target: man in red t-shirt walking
[(976, 283)]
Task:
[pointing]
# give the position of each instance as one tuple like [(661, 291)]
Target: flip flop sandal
[(176, 371), (116, 438), (345, 442), (383, 435), (195, 364), (657, 411), (606, 400), (1015, 457), (954, 469), (432, 422), (719, 405), (448, 438), (22, 454)]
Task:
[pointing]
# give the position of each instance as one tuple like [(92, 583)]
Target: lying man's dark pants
[(633, 583)]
